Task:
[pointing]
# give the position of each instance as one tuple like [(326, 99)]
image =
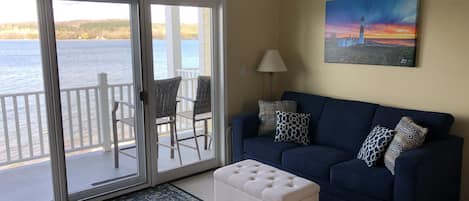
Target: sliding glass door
[(102, 97), (99, 86)]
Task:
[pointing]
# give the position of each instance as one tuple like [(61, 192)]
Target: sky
[(25, 11), (390, 19)]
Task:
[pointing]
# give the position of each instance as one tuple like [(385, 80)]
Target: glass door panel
[(25, 169), (182, 49), (98, 87)]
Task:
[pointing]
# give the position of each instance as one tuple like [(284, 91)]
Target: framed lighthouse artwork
[(382, 32)]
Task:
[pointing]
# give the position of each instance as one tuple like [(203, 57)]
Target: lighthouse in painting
[(361, 40), (354, 41)]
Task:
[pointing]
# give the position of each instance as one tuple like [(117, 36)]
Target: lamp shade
[(272, 62)]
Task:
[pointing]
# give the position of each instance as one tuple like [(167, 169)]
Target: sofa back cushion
[(308, 104), (345, 124), (438, 124)]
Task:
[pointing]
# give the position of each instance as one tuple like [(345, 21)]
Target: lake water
[(80, 61)]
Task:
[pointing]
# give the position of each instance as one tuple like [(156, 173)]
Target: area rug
[(164, 192)]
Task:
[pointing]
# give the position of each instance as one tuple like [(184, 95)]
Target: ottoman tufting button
[(271, 178), (272, 171), (270, 186), (251, 178)]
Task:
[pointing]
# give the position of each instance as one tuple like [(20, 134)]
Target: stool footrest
[(255, 181)]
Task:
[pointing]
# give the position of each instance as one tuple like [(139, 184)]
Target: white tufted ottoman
[(253, 181)]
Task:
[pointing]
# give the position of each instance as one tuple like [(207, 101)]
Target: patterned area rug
[(164, 192)]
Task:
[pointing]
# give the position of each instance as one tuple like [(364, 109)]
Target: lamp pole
[(271, 85)]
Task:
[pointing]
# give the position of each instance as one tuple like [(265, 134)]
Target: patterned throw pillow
[(408, 136), (375, 145), (292, 127), (267, 114)]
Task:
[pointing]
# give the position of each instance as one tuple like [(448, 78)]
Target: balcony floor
[(33, 182)]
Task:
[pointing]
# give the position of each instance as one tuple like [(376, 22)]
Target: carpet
[(164, 192)]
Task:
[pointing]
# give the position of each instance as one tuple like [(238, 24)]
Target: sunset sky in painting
[(385, 19)]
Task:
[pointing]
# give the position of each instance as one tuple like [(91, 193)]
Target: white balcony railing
[(24, 134)]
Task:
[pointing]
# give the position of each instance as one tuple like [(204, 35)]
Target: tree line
[(89, 29)]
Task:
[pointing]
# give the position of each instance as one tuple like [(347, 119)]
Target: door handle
[(142, 96)]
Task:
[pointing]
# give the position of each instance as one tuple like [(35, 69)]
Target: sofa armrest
[(432, 172), (244, 126)]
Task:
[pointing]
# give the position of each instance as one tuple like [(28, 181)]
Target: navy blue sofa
[(337, 131)]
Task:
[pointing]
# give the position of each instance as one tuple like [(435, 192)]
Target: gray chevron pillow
[(408, 136), (267, 114)]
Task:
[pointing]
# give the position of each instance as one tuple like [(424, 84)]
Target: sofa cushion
[(345, 124), (314, 161), (438, 124), (309, 104), (354, 175), (266, 149)]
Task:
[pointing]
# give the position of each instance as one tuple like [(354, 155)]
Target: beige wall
[(440, 83), (252, 27)]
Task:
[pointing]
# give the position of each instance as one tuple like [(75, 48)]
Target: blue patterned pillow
[(292, 127), (375, 145)]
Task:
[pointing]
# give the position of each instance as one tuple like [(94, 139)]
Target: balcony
[(24, 148)]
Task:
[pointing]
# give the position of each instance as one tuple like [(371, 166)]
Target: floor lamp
[(272, 63)]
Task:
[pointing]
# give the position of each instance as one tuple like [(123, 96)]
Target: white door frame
[(52, 97)]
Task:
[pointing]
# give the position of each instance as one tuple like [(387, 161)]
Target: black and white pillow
[(292, 127), (375, 145)]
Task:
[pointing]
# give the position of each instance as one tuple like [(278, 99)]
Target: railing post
[(104, 110), (173, 39)]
